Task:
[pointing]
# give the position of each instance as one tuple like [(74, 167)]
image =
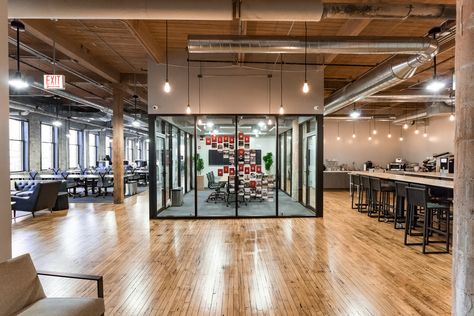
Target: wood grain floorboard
[(342, 264)]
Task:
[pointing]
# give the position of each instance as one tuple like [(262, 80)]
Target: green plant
[(199, 163), (268, 160)]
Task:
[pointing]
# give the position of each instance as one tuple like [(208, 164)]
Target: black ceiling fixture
[(282, 109), (188, 107), (167, 86), (305, 84), (17, 80)]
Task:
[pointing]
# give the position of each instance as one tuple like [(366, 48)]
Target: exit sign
[(54, 82)]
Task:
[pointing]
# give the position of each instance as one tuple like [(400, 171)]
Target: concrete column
[(34, 129), (463, 227), (118, 144), (62, 146), (295, 138), (5, 213)]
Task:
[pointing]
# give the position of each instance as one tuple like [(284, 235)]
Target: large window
[(93, 149), (75, 148), (18, 145), (139, 145), (129, 150), (108, 146), (49, 147)]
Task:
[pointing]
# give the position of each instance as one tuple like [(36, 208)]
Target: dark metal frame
[(97, 278), (319, 166)]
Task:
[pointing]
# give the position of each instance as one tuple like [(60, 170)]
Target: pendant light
[(354, 113), (370, 137), (199, 93), (435, 84), (405, 125), (282, 110), (452, 118), (389, 135), (305, 84), (68, 122), (17, 80), (374, 131), (338, 137), (401, 135), (416, 128), (135, 122), (188, 107), (166, 87), (425, 133), (353, 130), (270, 122)]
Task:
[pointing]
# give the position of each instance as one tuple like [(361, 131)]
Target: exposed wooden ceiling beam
[(140, 31), (44, 30)]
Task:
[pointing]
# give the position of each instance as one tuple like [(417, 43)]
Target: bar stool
[(355, 188), (380, 198), (417, 198), (364, 198), (401, 194)]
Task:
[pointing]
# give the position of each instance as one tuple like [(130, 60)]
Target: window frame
[(54, 142), (24, 139)]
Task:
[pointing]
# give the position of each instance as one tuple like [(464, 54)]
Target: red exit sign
[(54, 82)]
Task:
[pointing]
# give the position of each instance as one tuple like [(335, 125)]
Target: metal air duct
[(316, 45), (435, 109), (407, 98)]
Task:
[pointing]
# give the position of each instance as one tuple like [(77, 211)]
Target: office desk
[(51, 177), (19, 177)]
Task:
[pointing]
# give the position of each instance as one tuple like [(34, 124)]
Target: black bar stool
[(364, 198), (381, 192), (400, 210), (356, 189), (417, 198)]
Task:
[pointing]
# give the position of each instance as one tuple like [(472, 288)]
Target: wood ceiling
[(106, 52)]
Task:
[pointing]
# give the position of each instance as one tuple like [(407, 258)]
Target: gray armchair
[(21, 292), (44, 196)]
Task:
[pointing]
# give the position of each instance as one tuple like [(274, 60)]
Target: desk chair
[(104, 183), (217, 195)]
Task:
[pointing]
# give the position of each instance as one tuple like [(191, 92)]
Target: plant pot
[(200, 183)]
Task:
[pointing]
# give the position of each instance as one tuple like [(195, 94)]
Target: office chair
[(217, 195)]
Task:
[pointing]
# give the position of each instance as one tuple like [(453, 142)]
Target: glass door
[(160, 173), (311, 171)]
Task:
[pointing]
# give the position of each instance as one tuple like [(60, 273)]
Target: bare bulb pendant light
[(389, 135), (166, 87), (338, 137), (135, 122), (270, 122), (401, 134), (282, 110), (435, 84), (353, 130), (374, 131), (305, 84), (370, 137), (425, 134), (188, 107), (17, 80)]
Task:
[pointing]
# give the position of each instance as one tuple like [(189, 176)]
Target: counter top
[(448, 176), (441, 183)]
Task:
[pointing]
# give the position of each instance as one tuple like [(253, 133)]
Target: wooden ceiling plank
[(44, 30), (141, 32)]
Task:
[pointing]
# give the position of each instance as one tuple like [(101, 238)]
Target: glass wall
[(246, 165)]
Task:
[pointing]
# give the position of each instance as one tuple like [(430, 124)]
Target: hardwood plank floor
[(342, 264)]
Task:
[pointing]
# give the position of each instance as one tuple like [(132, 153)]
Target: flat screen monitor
[(125, 162), (102, 164)]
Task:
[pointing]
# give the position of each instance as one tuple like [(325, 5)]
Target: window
[(139, 150), (93, 149), (108, 146), (75, 148), (147, 150), (49, 147), (129, 155), (18, 145)]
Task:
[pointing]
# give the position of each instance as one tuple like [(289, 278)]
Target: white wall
[(440, 139), (355, 151), (233, 90), (5, 214), (381, 149)]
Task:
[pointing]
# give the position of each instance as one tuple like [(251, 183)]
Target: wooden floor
[(342, 264)]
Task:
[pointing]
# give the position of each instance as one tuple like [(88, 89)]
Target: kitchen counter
[(441, 183), (435, 175), (336, 180)]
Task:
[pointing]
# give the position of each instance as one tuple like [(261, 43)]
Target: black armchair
[(44, 196)]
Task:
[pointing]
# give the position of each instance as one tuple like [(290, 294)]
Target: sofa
[(21, 292), (26, 188), (43, 196)]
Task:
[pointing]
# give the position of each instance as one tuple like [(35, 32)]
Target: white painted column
[(5, 213)]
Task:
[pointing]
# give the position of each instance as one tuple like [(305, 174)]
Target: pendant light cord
[(188, 78), (269, 94), (281, 80), (199, 86), (166, 49), (305, 49), (18, 48)]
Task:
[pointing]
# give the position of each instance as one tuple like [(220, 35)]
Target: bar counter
[(447, 184)]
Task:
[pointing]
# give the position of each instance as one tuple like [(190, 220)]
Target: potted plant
[(268, 161), (199, 169)]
